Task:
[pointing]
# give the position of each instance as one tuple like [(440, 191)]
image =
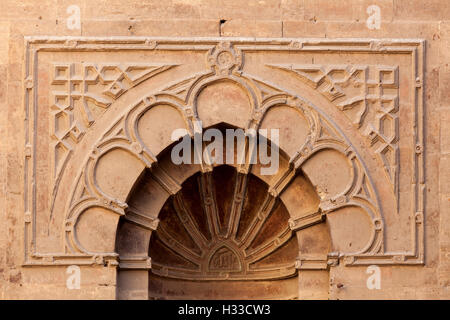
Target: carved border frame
[(414, 47)]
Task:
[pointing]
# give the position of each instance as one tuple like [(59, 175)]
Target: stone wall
[(425, 23)]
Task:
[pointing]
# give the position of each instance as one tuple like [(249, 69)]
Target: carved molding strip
[(317, 261), (133, 215), (135, 263), (306, 221)]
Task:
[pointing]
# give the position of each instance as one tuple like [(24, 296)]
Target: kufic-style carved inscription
[(81, 91), (370, 103)]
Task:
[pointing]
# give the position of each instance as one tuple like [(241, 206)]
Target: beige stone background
[(429, 20)]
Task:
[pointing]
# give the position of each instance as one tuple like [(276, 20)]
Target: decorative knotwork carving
[(368, 95)]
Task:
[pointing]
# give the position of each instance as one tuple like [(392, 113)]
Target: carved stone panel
[(100, 113)]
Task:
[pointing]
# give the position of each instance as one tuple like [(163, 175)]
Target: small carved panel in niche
[(224, 260)]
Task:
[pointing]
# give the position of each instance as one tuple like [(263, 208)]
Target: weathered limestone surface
[(86, 113)]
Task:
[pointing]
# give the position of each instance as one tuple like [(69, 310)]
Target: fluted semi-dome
[(223, 225)]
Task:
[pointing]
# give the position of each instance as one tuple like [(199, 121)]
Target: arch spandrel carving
[(320, 139)]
